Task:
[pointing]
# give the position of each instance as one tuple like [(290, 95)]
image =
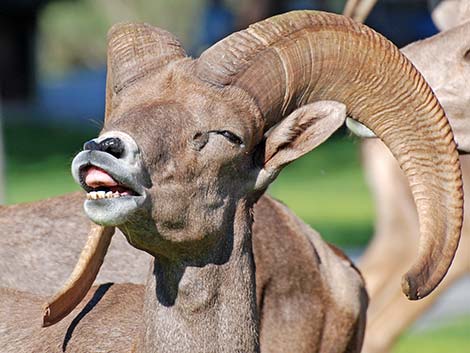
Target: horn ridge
[(134, 51), (238, 50)]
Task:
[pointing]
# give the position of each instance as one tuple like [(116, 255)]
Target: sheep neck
[(210, 308)]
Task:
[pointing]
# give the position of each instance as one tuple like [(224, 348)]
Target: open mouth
[(99, 184), (117, 188)]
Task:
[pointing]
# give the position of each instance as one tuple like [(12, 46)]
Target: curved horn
[(301, 57), (82, 277), (135, 50)]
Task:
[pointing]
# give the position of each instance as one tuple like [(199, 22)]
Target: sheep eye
[(230, 136)]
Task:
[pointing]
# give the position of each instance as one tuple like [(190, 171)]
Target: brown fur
[(108, 320)]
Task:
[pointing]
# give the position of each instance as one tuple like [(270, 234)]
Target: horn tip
[(411, 289), (46, 316)]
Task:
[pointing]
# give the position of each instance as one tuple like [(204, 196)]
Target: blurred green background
[(326, 188)]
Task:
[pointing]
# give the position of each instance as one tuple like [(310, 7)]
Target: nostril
[(91, 146), (113, 146)]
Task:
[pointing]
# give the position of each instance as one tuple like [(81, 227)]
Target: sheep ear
[(299, 133), (359, 129)]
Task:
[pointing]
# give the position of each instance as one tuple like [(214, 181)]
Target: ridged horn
[(135, 50), (297, 58)]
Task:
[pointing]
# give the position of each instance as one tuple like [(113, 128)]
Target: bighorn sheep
[(444, 62), (183, 151)]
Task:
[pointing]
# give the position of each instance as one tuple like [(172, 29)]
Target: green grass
[(51, 177), (452, 337), (38, 159)]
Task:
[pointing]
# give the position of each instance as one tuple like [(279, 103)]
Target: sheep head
[(182, 160), (187, 141)]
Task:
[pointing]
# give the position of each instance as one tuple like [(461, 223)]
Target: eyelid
[(234, 138)]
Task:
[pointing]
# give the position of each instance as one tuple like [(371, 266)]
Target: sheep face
[(169, 171)]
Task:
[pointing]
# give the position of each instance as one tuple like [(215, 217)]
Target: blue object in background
[(402, 26), (302, 5), (217, 22), (79, 95)]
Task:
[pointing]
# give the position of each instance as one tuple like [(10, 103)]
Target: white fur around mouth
[(95, 195)]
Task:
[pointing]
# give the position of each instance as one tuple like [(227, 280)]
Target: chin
[(114, 211)]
